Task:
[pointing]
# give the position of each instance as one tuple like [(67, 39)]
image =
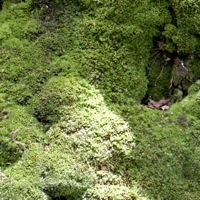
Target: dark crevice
[(59, 198), (167, 74), (173, 16), (163, 68), (1, 4)]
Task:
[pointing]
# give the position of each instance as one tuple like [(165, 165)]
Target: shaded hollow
[(168, 75)]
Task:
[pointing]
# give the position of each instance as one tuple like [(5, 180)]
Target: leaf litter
[(162, 104)]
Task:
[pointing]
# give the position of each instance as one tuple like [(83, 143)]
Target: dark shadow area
[(1, 3), (64, 191), (168, 74)]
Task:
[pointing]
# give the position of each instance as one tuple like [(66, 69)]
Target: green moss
[(41, 173), (58, 92), (18, 130), (91, 146), (97, 137), (20, 58), (194, 88), (79, 153), (184, 28), (163, 153), (112, 192), (21, 68), (109, 46), (159, 75), (190, 104), (81, 71)]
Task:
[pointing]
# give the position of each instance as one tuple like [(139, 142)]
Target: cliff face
[(73, 76)]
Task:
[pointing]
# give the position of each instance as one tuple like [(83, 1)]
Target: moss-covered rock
[(59, 91), (18, 129), (79, 154), (166, 152), (80, 68), (190, 104)]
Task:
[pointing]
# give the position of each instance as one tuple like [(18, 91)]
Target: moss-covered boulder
[(24, 59), (18, 129), (59, 91), (79, 154), (73, 74)]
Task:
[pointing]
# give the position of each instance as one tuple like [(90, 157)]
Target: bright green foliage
[(58, 92), (115, 47), (24, 64), (73, 74), (80, 153)]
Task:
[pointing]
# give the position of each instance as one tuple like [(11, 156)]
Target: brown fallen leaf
[(161, 104), (165, 107), (154, 103), (167, 101), (150, 105)]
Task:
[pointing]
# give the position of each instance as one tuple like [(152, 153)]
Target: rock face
[(180, 80), (180, 73)]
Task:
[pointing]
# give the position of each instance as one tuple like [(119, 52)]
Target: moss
[(18, 130), (194, 88), (190, 104), (81, 72), (112, 192), (82, 148), (41, 173), (159, 75), (163, 153), (103, 143), (183, 29), (58, 92), (26, 79), (109, 46), (97, 137), (20, 58)]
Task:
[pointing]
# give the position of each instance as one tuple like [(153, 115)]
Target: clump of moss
[(65, 72), (190, 104), (81, 152), (46, 171), (96, 137), (187, 18), (18, 55), (107, 46), (26, 52), (194, 88), (58, 92), (166, 152), (18, 130)]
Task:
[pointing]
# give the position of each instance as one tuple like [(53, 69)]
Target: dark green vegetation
[(73, 75)]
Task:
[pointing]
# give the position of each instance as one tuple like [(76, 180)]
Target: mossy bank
[(73, 77)]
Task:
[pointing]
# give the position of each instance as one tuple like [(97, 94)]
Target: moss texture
[(73, 74)]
